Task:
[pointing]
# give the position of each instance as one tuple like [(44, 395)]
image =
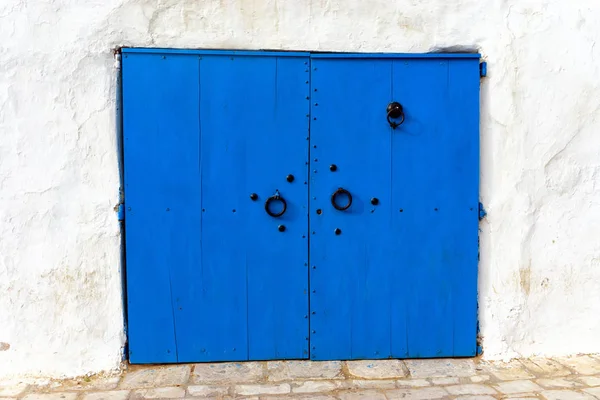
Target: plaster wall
[(60, 288)]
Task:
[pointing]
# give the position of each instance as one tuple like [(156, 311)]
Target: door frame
[(120, 208)]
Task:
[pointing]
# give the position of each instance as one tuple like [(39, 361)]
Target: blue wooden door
[(208, 138), (395, 274), (250, 236)]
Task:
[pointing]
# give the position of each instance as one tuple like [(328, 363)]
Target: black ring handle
[(395, 110), (335, 195), (276, 197)]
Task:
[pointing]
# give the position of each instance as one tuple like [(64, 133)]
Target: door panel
[(400, 279), (209, 136), (210, 275)]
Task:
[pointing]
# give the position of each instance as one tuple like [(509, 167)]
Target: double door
[(300, 206)]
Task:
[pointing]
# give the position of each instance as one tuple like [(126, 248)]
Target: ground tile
[(469, 388), (316, 386), (152, 377), (482, 397), (12, 390), (51, 396), (173, 392), (371, 384), (296, 397), (445, 381), (377, 369), (584, 365), (513, 387), (433, 368), (558, 383), (363, 395), (589, 380), (593, 391), (206, 390), (566, 395), (258, 389), (544, 367), (311, 370), (479, 378), (508, 371), (97, 383), (109, 395), (227, 373), (417, 394), (412, 383), (525, 396)]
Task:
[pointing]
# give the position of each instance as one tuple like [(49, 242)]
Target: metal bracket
[(482, 212), (483, 69), (120, 212)]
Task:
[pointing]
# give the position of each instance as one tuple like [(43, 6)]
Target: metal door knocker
[(395, 111), (276, 197), (334, 199)]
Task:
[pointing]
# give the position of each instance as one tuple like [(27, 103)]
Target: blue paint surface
[(210, 275), (401, 278)]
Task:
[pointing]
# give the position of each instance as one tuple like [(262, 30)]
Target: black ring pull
[(334, 197), (395, 110), (276, 197)]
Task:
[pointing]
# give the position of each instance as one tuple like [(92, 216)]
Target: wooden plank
[(352, 269), (437, 188), (247, 299), (160, 99), (463, 160)]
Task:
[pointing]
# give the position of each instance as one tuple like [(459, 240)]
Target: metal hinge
[(483, 69), (482, 212), (120, 208)]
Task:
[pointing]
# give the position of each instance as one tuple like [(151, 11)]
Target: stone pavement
[(469, 379)]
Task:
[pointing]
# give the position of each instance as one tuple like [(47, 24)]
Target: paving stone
[(589, 380), (228, 373), (100, 383), (518, 387), (584, 365), (205, 390), (566, 395), (479, 378), (508, 371), (108, 395), (316, 386), (484, 397), (412, 383), (593, 391), (51, 396), (174, 392), (417, 394), (151, 377), (445, 381), (433, 368), (365, 395), (310, 370), (522, 396), (545, 367), (377, 369), (12, 390), (297, 397), (372, 384), (249, 390), (558, 383), (469, 388)]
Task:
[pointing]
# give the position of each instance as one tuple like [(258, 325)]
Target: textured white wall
[(60, 302)]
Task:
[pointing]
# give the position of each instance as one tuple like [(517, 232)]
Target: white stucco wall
[(60, 289)]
